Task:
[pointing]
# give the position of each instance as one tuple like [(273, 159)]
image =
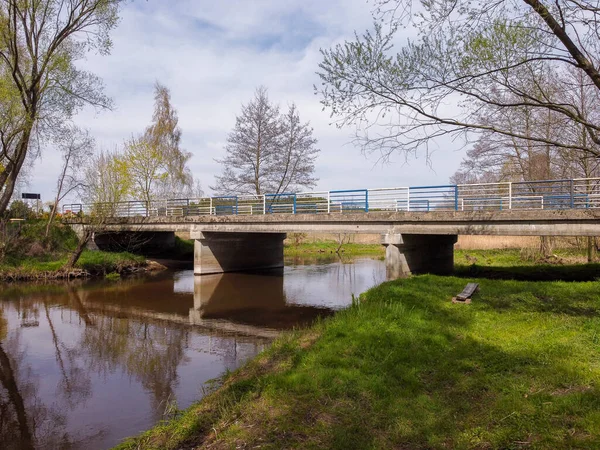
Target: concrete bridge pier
[(219, 252), (407, 254)]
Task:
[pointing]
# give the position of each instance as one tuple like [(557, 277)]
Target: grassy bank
[(406, 368), (94, 263), (29, 255), (330, 247)]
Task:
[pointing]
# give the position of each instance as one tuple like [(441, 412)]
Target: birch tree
[(156, 163)]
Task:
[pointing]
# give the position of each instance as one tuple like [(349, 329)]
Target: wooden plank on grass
[(468, 292)]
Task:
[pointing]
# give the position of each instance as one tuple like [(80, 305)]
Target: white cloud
[(212, 55)]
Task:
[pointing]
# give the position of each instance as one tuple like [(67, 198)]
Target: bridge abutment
[(219, 252), (407, 254)]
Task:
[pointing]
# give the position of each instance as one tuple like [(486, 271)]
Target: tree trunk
[(50, 220), (7, 379), (342, 239), (546, 246), (9, 180), (87, 234), (590, 249)]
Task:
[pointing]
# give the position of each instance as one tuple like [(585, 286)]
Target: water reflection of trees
[(137, 328), (25, 421), (150, 353)]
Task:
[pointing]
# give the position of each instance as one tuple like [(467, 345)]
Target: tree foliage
[(267, 152), (156, 164), (42, 84), (467, 56)]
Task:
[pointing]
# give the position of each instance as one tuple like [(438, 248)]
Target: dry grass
[(500, 242)]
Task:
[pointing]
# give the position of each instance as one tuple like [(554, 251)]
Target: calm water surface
[(83, 366)]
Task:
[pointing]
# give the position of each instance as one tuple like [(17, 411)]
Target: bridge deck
[(568, 222)]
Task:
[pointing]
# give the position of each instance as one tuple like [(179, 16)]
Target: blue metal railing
[(581, 193), (225, 205), (352, 200), (439, 198), (280, 203)]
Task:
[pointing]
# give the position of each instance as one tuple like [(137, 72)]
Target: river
[(86, 364)]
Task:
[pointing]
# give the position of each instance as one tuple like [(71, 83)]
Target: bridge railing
[(580, 193), (586, 192), (484, 196), (389, 199), (313, 202), (349, 201), (433, 198)]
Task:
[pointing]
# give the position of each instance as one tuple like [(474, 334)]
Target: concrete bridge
[(418, 225), (415, 242)]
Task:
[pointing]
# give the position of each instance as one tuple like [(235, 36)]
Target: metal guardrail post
[(294, 207), (571, 191), (408, 200), (509, 195), (366, 201), (328, 202), (264, 204), (210, 207), (455, 197)]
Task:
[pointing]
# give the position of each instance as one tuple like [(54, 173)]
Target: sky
[(212, 55)]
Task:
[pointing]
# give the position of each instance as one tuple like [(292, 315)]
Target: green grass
[(512, 264), (405, 368), (330, 247), (184, 248), (54, 252), (95, 262), (515, 257)]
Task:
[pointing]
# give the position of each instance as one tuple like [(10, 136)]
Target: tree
[(467, 55), (496, 157), (75, 145), (157, 165), (41, 83), (146, 166), (107, 180), (106, 183), (267, 153), (295, 161)]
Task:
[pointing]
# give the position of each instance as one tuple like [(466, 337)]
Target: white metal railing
[(580, 193)]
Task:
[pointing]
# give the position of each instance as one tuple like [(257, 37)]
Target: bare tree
[(251, 148), (467, 55), (267, 153), (497, 157), (76, 145), (295, 161), (42, 82)]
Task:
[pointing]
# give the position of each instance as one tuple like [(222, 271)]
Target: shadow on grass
[(545, 272)]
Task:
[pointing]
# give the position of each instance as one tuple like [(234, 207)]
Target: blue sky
[(212, 56)]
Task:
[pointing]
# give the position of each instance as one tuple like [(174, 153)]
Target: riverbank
[(406, 368), (90, 264), (331, 248)]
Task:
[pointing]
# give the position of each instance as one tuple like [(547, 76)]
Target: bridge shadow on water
[(541, 272)]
